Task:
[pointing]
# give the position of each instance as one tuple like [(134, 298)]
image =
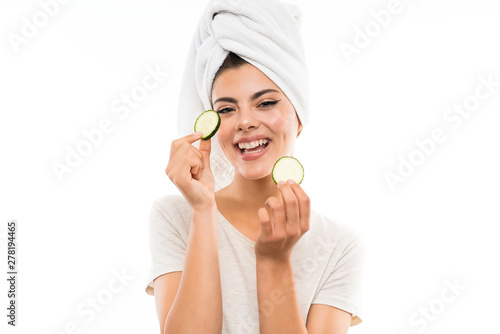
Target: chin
[(255, 174)]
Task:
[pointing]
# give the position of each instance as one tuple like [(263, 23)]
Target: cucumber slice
[(288, 168), (208, 123)]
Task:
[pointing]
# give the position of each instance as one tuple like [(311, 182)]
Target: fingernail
[(291, 181), (280, 183), (198, 133)]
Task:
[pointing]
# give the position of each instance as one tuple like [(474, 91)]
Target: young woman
[(252, 257)]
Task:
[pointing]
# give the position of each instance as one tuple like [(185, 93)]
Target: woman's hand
[(189, 169), (282, 224)]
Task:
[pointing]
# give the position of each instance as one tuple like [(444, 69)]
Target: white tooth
[(254, 144)]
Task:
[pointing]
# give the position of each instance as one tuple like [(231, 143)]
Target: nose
[(247, 119)]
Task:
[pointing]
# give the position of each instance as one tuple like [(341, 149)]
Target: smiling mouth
[(253, 147)]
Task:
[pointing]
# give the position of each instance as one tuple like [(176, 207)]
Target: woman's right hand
[(189, 169)]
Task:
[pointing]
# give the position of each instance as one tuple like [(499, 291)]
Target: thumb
[(266, 227), (205, 148)]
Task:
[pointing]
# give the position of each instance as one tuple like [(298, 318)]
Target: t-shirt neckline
[(228, 226)]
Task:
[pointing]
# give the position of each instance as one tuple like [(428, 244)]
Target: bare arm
[(197, 307), (279, 310), (283, 222), (191, 301), (166, 287), (282, 225), (327, 319)]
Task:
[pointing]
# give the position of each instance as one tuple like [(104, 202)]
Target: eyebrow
[(253, 97)]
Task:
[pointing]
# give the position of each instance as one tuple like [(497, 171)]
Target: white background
[(437, 226)]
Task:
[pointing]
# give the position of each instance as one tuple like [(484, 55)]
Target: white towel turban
[(266, 34)]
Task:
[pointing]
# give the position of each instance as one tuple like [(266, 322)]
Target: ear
[(299, 130)]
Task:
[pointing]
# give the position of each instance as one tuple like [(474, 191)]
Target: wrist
[(205, 212), (274, 270), (207, 207), (273, 262)]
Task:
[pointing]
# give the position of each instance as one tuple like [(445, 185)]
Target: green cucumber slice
[(208, 123), (288, 168)]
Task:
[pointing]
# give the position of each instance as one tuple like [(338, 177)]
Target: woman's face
[(258, 122)]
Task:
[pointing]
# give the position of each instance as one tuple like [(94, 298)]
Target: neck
[(252, 193)]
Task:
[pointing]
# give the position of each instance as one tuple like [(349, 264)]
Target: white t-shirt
[(327, 263)]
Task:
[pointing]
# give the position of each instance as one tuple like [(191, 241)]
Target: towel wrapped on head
[(265, 33)]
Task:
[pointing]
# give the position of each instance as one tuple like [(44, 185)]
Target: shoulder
[(321, 223), (340, 237), (171, 204), (170, 209)]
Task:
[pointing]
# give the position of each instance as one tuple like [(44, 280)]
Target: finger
[(266, 228), (291, 209), (186, 156), (195, 160), (304, 205), (196, 152), (195, 172), (190, 138), (186, 170), (205, 148), (184, 150), (278, 218)]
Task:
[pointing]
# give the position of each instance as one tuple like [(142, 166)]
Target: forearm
[(279, 310), (197, 307)]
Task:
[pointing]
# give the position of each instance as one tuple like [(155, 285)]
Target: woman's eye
[(269, 103), (225, 110)]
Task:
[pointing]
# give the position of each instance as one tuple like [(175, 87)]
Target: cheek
[(224, 136), (223, 131), (275, 122), (284, 122)]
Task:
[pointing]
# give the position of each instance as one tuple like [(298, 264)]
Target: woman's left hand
[(282, 224)]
